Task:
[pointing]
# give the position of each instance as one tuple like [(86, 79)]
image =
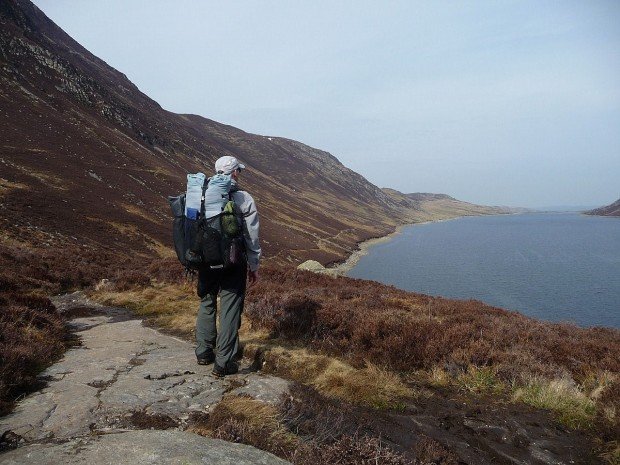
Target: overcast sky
[(494, 102)]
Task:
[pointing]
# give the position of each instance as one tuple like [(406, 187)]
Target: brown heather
[(404, 331), (31, 337), (308, 428), (32, 332), (573, 372), (304, 428)]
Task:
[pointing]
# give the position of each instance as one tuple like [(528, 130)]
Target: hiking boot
[(230, 369), (206, 357)]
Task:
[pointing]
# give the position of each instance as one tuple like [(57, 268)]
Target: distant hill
[(609, 210), (426, 196), (429, 207)]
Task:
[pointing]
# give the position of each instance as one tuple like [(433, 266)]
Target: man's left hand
[(253, 277)]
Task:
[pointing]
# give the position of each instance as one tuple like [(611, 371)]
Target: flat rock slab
[(141, 448), (122, 369)]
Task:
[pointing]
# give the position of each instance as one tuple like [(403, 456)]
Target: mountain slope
[(87, 160), (86, 157), (612, 209)]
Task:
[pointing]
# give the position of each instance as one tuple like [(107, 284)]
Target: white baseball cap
[(227, 165)]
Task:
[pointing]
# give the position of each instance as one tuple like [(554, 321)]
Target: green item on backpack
[(230, 224)]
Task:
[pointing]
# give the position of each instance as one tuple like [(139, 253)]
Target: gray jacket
[(246, 207)]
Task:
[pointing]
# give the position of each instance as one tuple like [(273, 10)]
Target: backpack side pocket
[(211, 243)]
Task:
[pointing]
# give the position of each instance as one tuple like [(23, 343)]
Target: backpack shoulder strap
[(232, 190), (202, 198)]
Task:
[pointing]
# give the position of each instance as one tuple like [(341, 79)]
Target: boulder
[(141, 448)]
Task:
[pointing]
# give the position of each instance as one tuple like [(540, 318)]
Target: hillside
[(612, 209), (91, 158), (87, 161)]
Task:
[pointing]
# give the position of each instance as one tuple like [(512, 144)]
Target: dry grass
[(162, 251), (369, 386), (48, 179), (139, 211), (562, 396), (611, 453), (267, 427), (6, 186), (169, 306), (437, 376), (243, 419)]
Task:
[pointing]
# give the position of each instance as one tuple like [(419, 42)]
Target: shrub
[(312, 414), (429, 451), (130, 279), (608, 416), (359, 451), (31, 338), (405, 331), (290, 315), (281, 430), (167, 270)]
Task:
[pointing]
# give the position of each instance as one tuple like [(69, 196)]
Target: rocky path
[(108, 399)]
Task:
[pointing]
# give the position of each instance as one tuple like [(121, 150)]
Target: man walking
[(222, 347)]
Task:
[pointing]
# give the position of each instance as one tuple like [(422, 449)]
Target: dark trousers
[(230, 284)]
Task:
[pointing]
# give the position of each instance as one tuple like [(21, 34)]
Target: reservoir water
[(551, 266)]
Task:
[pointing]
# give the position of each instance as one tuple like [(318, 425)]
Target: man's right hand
[(253, 277)]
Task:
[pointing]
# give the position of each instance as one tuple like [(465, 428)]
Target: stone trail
[(123, 371)]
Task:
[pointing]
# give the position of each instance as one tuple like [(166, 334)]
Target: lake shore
[(565, 277), (344, 267)]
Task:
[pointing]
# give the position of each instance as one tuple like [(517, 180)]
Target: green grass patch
[(480, 380), (568, 403)]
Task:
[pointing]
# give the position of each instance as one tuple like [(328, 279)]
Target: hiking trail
[(109, 399)]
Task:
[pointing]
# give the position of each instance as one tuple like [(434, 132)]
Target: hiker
[(222, 347)]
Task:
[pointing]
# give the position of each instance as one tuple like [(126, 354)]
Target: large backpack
[(206, 231)]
